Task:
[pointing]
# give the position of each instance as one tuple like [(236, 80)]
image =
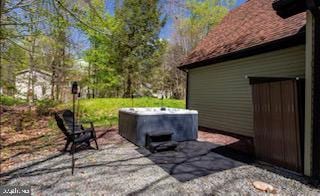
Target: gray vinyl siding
[(222, 94)]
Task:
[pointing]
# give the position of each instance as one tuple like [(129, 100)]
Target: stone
[(265, 187)]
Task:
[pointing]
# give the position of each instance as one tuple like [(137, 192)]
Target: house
[(257, 75), (42, 83)]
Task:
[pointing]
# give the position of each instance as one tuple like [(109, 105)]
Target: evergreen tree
[(103, 74), (137, 41)]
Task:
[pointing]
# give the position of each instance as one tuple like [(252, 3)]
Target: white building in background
[(42, 84), (80, 65)]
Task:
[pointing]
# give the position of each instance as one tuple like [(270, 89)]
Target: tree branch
[(79, 20), (13, 42), (18, 5), (19, 24)]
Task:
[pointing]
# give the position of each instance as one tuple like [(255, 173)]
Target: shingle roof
[(251, 24)]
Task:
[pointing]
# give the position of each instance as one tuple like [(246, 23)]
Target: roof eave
[(28, 70), (283, 43)]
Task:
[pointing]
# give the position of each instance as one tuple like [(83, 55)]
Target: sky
[(165, 33), (168, 28)]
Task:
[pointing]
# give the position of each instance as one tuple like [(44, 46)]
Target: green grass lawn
[(104, 111)]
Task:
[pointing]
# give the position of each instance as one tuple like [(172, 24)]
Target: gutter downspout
[(312, 6), (187, 90), (187, 86)]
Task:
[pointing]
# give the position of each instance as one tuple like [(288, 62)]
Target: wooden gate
[(278, 122)]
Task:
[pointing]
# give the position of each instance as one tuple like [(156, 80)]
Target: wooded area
[(121, 53)]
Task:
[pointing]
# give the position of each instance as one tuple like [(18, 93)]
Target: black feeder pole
[(74, 91), (78, 105), (132, 97), (162, 106)]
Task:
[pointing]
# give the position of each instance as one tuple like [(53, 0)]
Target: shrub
[(10, 101), (45, 106)]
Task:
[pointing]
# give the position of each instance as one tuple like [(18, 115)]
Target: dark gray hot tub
[(134, 123)]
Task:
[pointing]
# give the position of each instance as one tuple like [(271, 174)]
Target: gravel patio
[(121, 168)]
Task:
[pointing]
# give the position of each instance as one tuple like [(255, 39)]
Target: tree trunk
[(89, 82), (31, 78), (57, 90), (128, 92), (2, 2), (53, 82), (94, 89)]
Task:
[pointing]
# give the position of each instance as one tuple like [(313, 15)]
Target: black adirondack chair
[(80, 136)]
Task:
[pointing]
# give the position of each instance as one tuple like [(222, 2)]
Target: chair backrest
[(68, 119), (61, 125)]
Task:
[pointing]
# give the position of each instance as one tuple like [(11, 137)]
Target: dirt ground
[(38, 136)]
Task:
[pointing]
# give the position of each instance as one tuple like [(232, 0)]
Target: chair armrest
[(82, 131), (82, 123), (76, 126), (85, 130), (91, 125)]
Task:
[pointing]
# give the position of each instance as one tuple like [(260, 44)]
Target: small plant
[(45, 106), (10, 101)]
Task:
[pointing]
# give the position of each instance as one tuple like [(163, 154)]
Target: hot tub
[(135, 123)]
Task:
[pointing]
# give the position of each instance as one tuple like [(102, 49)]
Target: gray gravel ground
[(124, 169)]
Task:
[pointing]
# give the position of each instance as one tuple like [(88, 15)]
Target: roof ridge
[(37, 70)]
